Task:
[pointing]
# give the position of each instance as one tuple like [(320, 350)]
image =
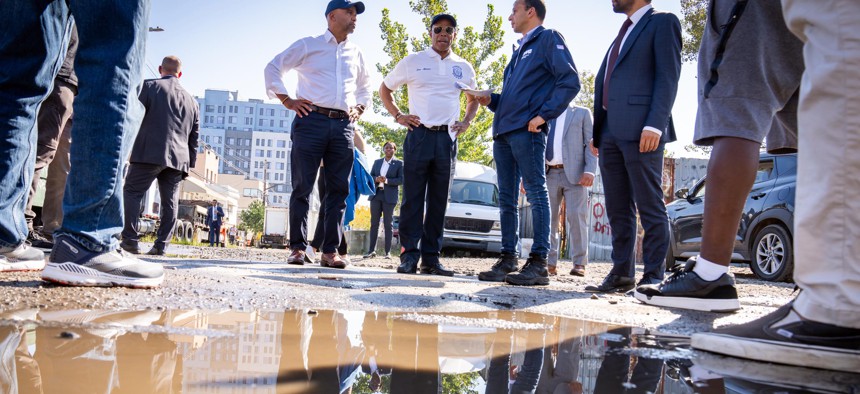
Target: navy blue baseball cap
[(338, 4), (448, 17)]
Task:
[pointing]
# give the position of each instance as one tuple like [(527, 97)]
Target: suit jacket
[(169, 131), (214, 215), (644, 82), (395, 179), (577, 156)]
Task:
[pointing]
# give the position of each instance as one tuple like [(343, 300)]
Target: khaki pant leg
[(827, 217)]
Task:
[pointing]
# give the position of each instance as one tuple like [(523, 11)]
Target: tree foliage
[(585, 97), (251, 219), (478, 47), (694, 18)]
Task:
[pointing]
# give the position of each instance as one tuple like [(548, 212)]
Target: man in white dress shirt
[(333, 91), (430, 148)]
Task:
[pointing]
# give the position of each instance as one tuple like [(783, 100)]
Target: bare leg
[(731, 173)]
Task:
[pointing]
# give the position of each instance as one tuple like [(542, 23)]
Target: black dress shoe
[(408, 265), (432, 266), (612, 284), (156, 251), (129, 246)]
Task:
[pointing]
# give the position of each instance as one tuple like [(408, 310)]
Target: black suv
[(765, 234)]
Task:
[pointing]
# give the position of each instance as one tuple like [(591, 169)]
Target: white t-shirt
[(433, 96)]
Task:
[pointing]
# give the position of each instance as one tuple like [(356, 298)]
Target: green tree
[(585, 97), (478, 47), (694, 18), (462, 383), (251, 219)]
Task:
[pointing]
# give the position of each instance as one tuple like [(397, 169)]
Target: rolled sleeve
[(398, 76), (363, 94)]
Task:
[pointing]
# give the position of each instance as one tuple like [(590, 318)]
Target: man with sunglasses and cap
[(430, 149), (333, 91)]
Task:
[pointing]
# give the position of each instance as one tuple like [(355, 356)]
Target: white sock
[(709, 271)]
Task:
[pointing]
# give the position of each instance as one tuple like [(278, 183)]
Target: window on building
[(269, 142), (232, 120), (206, 138), (249, 121), (249, 110), (271, 123), (271, 112), (269, 153), (230, 140), (260, 122), (220, 120), (259, 153), (279, 166), (262, 110), (282, 123), (282, 144), (218, 140), (220, 109), (210, 108)]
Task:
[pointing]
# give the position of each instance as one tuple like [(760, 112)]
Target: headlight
[(497, 225)]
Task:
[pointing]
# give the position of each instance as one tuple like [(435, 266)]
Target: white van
[(472, 217)]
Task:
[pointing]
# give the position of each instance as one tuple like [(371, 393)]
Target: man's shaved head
[(171, 65)]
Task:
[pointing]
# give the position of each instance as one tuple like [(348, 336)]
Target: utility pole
[(265, 189)]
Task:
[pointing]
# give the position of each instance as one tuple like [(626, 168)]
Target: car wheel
[(772, 256)]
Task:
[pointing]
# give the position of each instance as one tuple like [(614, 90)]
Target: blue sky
[(225, 44)]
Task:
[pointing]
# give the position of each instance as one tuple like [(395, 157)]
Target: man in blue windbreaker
[(539, 82)]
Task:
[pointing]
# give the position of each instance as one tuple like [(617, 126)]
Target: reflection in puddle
[(305, 351)]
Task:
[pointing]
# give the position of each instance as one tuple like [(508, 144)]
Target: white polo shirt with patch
[(433, 95)]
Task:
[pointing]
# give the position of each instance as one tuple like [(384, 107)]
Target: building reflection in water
[(305, 351)]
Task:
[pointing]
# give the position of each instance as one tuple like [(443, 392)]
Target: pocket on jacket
[(639, 100)]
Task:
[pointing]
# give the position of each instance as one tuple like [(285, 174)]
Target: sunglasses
[(448, 29)]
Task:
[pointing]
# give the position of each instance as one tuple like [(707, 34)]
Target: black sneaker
[(687, 290), (503, 266), (71, 264), (37, 240), (534, 273), (786, 337)]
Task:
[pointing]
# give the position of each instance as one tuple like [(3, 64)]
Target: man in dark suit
[(388, 174), (214, 216), (633, 96), (165, 149)]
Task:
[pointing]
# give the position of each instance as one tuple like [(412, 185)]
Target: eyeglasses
[(448, 29)]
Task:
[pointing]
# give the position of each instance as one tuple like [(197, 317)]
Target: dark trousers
[(429, 158), (319, 231), (54, 114), (378, 207), (615, 368), (137, 182), (633, 180), (316, 139), (214, 234)]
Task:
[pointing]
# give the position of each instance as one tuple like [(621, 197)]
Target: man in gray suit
[(165, 149), (388, 174), (633, 97), (570, 172)]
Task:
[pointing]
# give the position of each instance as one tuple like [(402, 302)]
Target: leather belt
[(331, 113), (555, 166), (435, 128)]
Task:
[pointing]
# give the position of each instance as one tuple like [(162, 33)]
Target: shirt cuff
[(653, 130), (588, 172)]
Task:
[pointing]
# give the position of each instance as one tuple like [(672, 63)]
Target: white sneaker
[(22, 258)]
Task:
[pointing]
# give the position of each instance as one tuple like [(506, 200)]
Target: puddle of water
[(308, 351)]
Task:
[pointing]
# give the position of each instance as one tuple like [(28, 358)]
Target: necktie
[(549, 141), (613, 57)]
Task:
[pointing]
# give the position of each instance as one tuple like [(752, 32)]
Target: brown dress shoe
[(297, 257), (332, 260), (552, 270), (578, 270)]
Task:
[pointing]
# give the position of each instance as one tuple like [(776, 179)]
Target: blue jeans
[(109, 63), (520, 154)]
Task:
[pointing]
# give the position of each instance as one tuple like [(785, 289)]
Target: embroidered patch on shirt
[(457, 71), (560, 46)]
